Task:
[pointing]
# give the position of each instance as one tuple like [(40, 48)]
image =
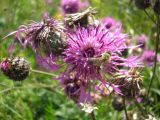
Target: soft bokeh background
[(41, 98)]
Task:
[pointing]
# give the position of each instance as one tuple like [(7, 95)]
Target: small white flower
[(88, 107)]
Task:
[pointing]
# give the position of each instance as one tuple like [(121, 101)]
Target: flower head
[(46, 35), (111, 23), (72, 6), (74, 88), (142, 40), (129, 83), (89, 48), (148, 57), (16, 68), (82, 19), (94, 52)]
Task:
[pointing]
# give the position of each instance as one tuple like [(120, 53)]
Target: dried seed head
[(143, 4), (130, 84), (156, 7), (131, 87), (16, 68), (52, 41), (83, 18)]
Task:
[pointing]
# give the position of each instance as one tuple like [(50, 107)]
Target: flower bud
[(16, 68), (156, 7), (72, 88), (117, 103), (143, 4), (51, 40)]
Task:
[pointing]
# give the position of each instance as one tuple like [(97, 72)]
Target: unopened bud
[(143, 4), (156, 7), (16, 68)]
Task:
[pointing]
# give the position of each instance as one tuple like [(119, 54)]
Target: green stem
[(125, 110), (11, 109), (155, 59), (26, 87), (42, 72), (150, 17), (93, 116)]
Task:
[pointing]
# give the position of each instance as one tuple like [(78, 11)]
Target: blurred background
[(40, 97)]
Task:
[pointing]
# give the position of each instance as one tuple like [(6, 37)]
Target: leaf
[(156, 91)]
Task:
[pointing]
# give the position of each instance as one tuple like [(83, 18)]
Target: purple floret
[(94, 52), (142, 40), (72, 6), (148, 57)]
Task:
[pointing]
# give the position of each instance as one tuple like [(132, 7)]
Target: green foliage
[(34, 100)]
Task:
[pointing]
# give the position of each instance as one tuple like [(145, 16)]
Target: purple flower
[(46, 39), (111, 23), (45, 35), (4, 65), (72, 6), (142, 39), (94, 51), (148, 57), (48, 62), (129, 82), (74, 88)]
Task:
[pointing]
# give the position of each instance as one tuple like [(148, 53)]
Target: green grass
[(34, 102)]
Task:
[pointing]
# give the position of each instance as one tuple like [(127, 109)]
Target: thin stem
[(42, 72), (150, 17), (93, 116), (11, 109), (155, 59), (2, 84), (142, 110), (125, 110), (26, 87)]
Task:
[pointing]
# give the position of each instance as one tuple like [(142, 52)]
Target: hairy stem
[(46, 73), (155, 58), (93, 116), (125, 109), (150, 17)]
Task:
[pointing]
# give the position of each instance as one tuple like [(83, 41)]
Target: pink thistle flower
[(94, 51), (45, 38), (129, 82), (74, 88), (142, 40), (45, 35), (148, 57), (111, 23), (72, 6)]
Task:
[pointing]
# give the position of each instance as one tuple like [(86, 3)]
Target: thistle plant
[(87, 54), (155, 18)]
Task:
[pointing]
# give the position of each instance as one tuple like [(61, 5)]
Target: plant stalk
[(125, 110), (155, 59), (152, 19), (42, 72), (93, 116)]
